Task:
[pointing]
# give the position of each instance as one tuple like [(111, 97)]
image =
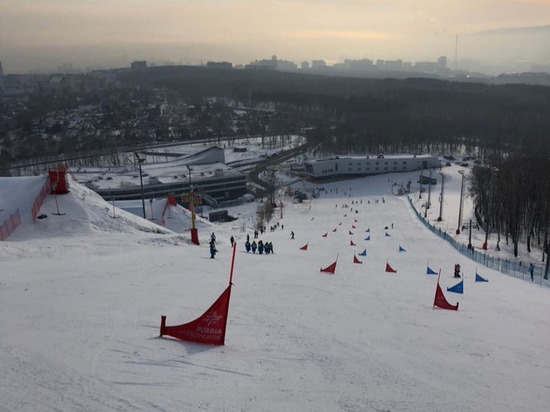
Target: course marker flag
[(458, 288), (480, 279), (390, 269), (331, 268), (440, 301), (208, 328)]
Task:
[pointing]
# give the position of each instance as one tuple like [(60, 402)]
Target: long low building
[(216, 180), (368, 165)]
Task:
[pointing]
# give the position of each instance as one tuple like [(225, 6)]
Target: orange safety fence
[(9, 225), (40, 199)]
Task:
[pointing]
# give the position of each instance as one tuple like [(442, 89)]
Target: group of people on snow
[(261, 247)]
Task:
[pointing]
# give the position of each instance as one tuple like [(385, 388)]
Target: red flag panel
[(441, 302), (390, 269), (208, 328), (329, 269)]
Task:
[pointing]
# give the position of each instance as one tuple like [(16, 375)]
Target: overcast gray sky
[(43, 34)]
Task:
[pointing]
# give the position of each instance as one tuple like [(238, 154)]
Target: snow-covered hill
[(82, 295)]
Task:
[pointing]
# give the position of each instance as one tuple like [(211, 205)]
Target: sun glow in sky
[(36, 34)]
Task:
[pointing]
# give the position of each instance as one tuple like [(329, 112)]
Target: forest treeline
[(512, 198), (353, 115)]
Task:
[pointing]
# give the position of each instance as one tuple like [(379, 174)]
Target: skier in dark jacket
[(247, 246), (457, 271), (212, 249), (254, 246), (260, 247)]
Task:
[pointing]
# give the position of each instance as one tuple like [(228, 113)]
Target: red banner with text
[(209, 328)]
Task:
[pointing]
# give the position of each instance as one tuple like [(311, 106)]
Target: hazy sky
[(43, 34)]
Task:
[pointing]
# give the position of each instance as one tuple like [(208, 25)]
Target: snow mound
[(81, 211)]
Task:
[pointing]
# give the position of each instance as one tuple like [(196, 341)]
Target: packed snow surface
[(82, 295)]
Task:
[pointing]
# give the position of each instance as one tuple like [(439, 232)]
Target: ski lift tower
[(192, 199)]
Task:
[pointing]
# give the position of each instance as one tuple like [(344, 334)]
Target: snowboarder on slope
[(457, 271)]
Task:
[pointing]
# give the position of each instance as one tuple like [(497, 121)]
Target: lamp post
[(494, 170), (460, 203), (429, 195), (440, 218), (470, 235), (189, 174), (140, 160), (420, 191)]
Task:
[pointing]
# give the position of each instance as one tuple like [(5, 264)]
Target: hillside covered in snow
[(82, 294)]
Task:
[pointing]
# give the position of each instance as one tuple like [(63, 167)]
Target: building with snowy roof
[(368, 165)]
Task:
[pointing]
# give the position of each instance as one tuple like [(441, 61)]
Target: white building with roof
[(368, 165)]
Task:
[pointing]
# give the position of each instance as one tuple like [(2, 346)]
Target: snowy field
[(82, 295)]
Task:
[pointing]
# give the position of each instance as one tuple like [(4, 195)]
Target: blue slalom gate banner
[(458, 288), (480, 279)]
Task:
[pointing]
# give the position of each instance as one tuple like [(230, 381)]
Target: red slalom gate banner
[(330, 268), (208, 328), (440, 301), (389, 269)]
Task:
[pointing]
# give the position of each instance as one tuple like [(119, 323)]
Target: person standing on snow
[(254, 246), (232, 240), (212, 249), (532, 271), (457, 270)]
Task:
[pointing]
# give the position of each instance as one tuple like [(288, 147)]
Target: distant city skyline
[(42, 35)]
